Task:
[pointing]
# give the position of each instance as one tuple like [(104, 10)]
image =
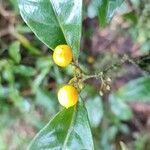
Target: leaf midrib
[(69, 131), (53, 6)]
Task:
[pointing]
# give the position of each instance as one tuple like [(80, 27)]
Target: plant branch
[(112, 67), (105, 71)]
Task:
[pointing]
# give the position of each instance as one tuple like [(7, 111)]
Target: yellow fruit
[(68, 96), (62, 55)]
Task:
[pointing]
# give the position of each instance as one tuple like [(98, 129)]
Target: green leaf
[(135, 90), (131, 16), (25, 71), (107, 136), (7, 72), (107, 9), (68, 130), (44, 62), (17, 99), (15, 6), (3, 92), (120, 109), (104, 9), (38, 80), (95, 110), (14, 51), (102, 14), (47, 99), (54, 22)]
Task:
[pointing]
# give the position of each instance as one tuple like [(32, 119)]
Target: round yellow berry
[(68, 96), (62, 55)]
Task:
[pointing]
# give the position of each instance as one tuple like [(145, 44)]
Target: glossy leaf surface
[(54, 22), (68, 130)]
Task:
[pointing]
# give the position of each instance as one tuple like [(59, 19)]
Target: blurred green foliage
[(29, 81)]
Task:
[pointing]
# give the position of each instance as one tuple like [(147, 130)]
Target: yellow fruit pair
[(68, 94)]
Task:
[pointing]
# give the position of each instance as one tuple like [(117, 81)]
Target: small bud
[(108, 87), (101, 93), (81, 86), (77, 70), (108, 79)]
